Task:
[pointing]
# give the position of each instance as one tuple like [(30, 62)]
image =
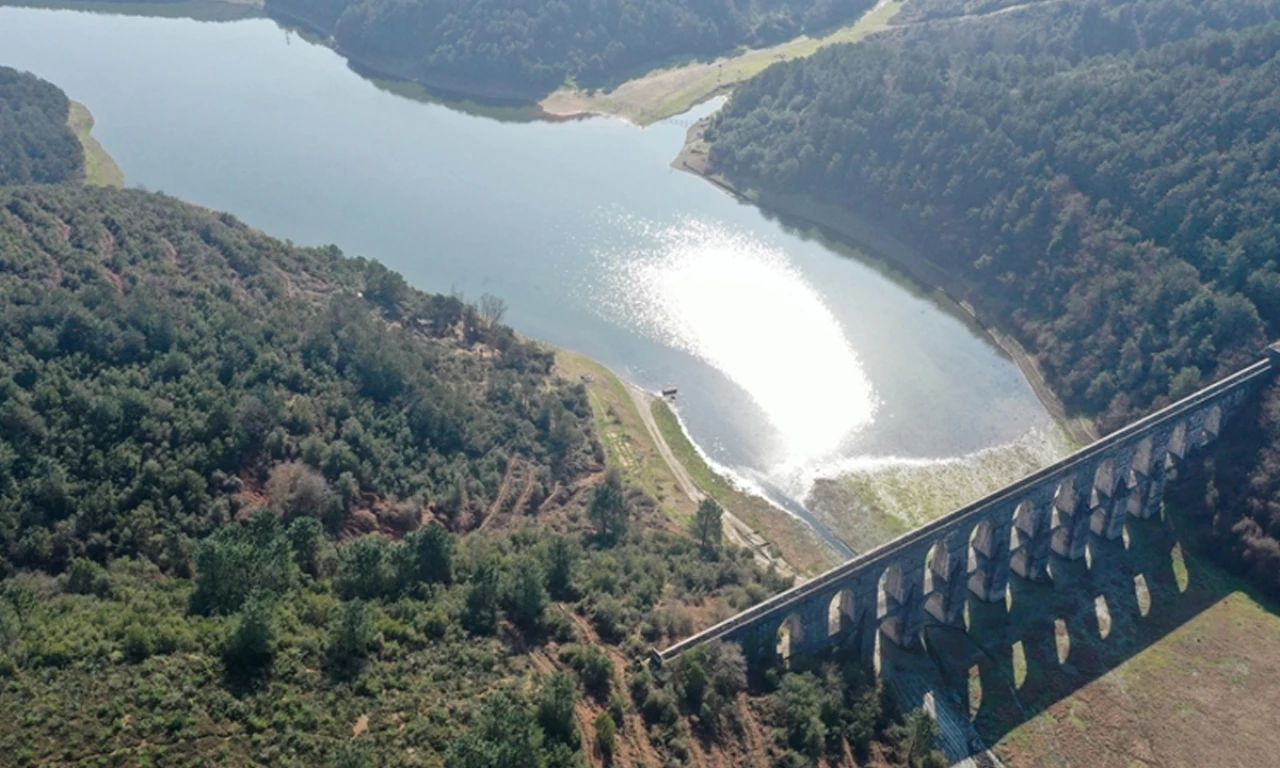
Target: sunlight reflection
[(1180, 574), (742, 307), (1103, 612), (1062, 639), (975, 691), (1143, 593)]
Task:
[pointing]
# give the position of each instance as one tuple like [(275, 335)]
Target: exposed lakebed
[(795, 357)]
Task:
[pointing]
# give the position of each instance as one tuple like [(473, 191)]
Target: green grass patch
[(100, 169), (868, 507), (627, 444), (793, 539)]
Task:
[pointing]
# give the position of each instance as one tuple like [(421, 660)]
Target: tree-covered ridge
[(1073, 30), (161, 367), (36, 145), (1126, 206), (514, 49)]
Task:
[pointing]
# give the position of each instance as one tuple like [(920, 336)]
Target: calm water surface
[(792, 357)]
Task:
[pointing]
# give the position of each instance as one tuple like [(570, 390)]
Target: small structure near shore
[(669, 392)]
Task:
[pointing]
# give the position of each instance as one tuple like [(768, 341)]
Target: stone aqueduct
[(925, 576)]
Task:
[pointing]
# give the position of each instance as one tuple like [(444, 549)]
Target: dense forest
[(36, 144), (160, 364), (1105, 173), (522, 50), (265, 505)]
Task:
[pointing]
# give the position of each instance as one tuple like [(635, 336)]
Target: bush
[(660, 708), (480, 616), (306, 539), (427, 557), (365, 569), (561, 559), (239, 559), (609, 617), (594, 668), (556, 713), (137, 642), (526, 596), (86, 577), (606, 730)]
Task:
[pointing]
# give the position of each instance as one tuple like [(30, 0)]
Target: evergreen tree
[(609, 509), (480, 616), (707, 526)]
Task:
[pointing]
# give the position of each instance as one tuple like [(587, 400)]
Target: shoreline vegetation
[(643, 100), (654, 453), (871, 506), (101, 169), (664, 93)]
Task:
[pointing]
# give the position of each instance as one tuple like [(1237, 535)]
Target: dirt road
[(735, 529)]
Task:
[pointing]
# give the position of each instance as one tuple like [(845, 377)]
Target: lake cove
[(795, 358)]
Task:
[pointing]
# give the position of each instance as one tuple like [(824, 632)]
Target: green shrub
[(606, 730), (137, 642), (86, 577), (660, 708), (556, 713), (594, 668)]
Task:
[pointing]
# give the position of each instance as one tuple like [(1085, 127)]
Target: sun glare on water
[(743, 308)]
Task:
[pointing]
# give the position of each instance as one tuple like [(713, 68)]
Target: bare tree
[(492, 308)]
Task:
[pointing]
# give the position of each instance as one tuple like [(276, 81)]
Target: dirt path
[(737, 531), (690, 488)]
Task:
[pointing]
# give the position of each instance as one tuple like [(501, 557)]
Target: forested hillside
[(159, 363), (515, 49), (239, 488), (1115, 196), (1072, 30), (36, 145), (264, 505)]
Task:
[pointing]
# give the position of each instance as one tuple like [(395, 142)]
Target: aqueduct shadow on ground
[(1015, 659)]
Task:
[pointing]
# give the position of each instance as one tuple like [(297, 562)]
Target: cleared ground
[(666, 92)]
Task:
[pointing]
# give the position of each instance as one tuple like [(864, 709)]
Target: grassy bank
[(794, 540), (626, 442), (667, 92), (870, 506), (100, 169), (630, 447)]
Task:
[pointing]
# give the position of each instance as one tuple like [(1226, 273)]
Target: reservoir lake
[(795, 357)]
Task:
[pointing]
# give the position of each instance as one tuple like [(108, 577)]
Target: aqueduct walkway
[(926, 575)]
